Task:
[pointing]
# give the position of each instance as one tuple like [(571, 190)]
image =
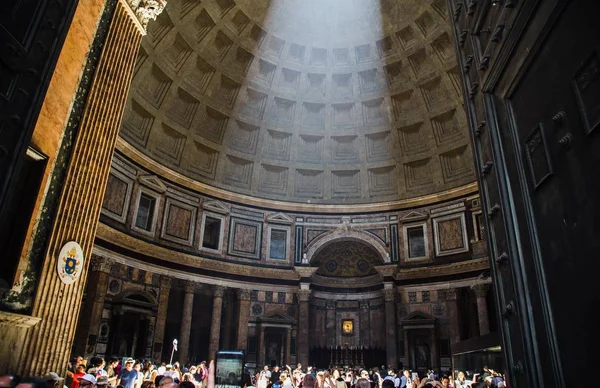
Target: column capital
[(330, 304), (165, 281), (481, 290), (189, 286), (303, 295), (389, 295), (101, 264), (363, 304), (146, 10), (219, 291), (452, 293), (244, 294)]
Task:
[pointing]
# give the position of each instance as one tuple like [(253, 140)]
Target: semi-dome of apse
[(325, 102)]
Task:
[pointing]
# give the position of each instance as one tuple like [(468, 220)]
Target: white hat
[(53, 376), (88, 377)]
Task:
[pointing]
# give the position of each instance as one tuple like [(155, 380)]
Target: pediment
[(418, 317), (277, 318), (414, 216), (215, 206), (279, 218), (152, 182)]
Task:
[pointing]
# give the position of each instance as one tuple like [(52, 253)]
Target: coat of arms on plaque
[(70, 262)]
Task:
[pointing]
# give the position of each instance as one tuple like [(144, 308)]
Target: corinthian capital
[(389, 295), (304, 295), (146, 10), (244, 294), (219, 291), (101, 264)]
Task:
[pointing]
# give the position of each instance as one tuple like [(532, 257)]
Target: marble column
[(303, 323), (243, 318), (91, 311), (261, 346), (215, 327), (48, 345), (161, 318), (228, 322), (452, 312), (186, 321), (390, 325), (288, 346), (481, 291)]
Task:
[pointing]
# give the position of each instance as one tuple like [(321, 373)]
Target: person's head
[(148, 384), (165, 380), (406, 372), (113, 362), (363, 383), (461, 376), (80, 368), (276, 368), (102, 381), (87, 381), (309, 381), (299, 366), (32, 382), (169, 367), (266, 368), (188, 377), (336, 374), (387, 384), (193, 369), (187, 384), (364, 374), (137, 366), (78, 360), (445, 382), (129, 364)]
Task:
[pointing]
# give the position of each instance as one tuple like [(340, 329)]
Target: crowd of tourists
[(139, 374)]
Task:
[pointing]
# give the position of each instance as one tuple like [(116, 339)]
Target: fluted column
[(215, 327), (244, 317), (161, 317), (91, 311), (390, 325), (48, 345), (303, 323), (481, 291), (186, 322)]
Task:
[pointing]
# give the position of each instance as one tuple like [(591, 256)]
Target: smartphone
[(414, 375), (229, 370)]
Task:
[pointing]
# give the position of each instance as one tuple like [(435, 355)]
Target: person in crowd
[(128, 376), (264, 377), (275, 374), (79, 372), (309, 381), (87, 381), (102, 381), (111, 371), (137, 366)]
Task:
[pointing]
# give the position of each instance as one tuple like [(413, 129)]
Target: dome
[(321, 102)]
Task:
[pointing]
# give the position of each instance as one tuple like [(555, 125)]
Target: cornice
[(443, 269)]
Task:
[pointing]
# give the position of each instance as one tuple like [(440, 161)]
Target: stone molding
[(165, 281), (389, 295)]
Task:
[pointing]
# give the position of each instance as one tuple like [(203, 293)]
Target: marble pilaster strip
[(161, 317), (244, 317), (390, 327), (186, 322), (303, 322)]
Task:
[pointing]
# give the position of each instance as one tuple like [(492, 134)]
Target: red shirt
[(75, 383)]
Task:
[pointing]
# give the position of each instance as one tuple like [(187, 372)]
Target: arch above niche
[(347, 235)]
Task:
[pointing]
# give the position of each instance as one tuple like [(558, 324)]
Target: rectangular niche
[(310, 149), (146, 212), (416, 242), (244, 238), (343, 116), (315, 84), (178, 222), (313, 115), (342, 85), (278, 241), (211, 232), (450, 234)]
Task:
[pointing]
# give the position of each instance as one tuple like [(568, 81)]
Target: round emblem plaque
[(70, 262)]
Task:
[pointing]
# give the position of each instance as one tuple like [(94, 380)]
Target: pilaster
[(244, 317), (215, 327), (389, 294), (303, 323), (186, 321)]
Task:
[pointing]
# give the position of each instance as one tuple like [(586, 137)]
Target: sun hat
[(89, 378), (102, 380)]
